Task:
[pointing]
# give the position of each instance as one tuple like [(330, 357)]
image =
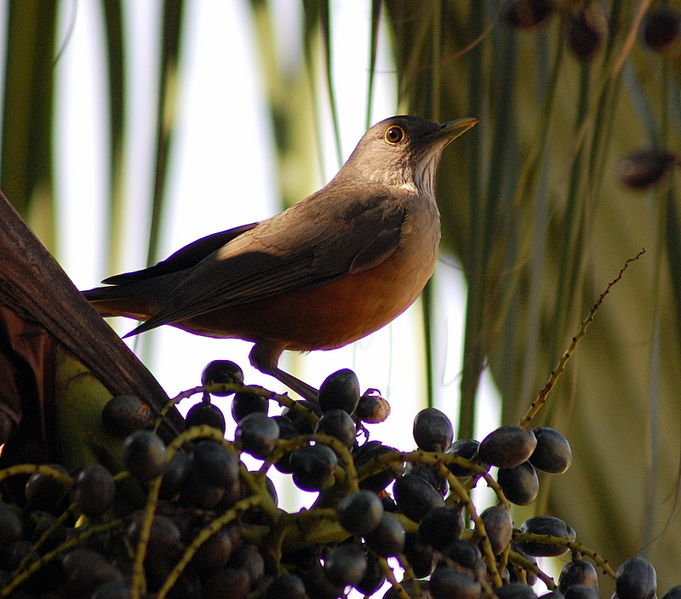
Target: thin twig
[(542, 396)]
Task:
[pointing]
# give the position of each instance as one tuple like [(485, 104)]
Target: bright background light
[(222, 168)]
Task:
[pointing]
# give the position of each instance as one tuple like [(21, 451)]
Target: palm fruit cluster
[(187, 518)]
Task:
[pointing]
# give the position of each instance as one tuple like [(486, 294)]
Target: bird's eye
[(394, 134)]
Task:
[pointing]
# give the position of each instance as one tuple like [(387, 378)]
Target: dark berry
[(373, 579), (360, 512), (499, 527), (85, 570), (662, 30), (420, 556), (578, 572), (338, 424), (318, 585), (432, 430), (463, 448), (313, 467), (222, 372), (346, 564), (515, 590), (164, 536), (248, 556), (448, 583), (430, 475), (199, 493), (286, 586), (415, 497), (214, 552), (144, 455), (44, 492), (552, 453), (673, 593), (228, 583), (507, 446), (205, 413), (10, 525), (124, 414), (636, 579), (257, 434), (585, 32), (441, 526), (465, 553), (113, 589), (387, 539), (287, 430), (546, 525), (369, 452), (645, 168), (581, 591), (520, 484), (175, 475), (94, 491), (529, 14), (245, 403), (215, 464), (339, 390)]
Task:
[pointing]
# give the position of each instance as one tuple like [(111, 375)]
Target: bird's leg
[(300, 387), (265, 357)]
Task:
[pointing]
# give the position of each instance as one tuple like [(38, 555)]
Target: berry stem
[(18, 579), (602, 563), (203, 536)]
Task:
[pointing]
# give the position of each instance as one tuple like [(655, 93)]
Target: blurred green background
[(532, 200)]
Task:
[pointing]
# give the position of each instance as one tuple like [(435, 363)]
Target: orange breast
[(328, 316)]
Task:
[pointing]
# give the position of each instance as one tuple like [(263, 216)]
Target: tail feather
[(118, 301)]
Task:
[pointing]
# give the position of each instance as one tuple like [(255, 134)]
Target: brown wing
[(184, 258), (306, 246)]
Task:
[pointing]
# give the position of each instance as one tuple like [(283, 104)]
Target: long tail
[(118, 300)]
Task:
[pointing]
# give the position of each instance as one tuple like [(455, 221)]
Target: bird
[(329, 270)]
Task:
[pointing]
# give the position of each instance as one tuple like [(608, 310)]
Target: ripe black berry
[(432, 430), (245, 403), (415, 497), (208, 414), (546, 525), (222, 371), (339, 390), (144, 455), (360, 512), (123, 414), (552, 453), (387, 539), (313, 466), (520, 484), (258, 434), (345, 564), (94, 491), (636, 579), (440, 526), (447, 582), (578, 572), (499, 527), (507, 446)]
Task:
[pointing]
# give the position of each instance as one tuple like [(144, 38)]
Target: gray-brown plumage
[(333, 268)]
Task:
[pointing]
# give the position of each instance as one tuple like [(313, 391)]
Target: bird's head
[(403, 151)]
